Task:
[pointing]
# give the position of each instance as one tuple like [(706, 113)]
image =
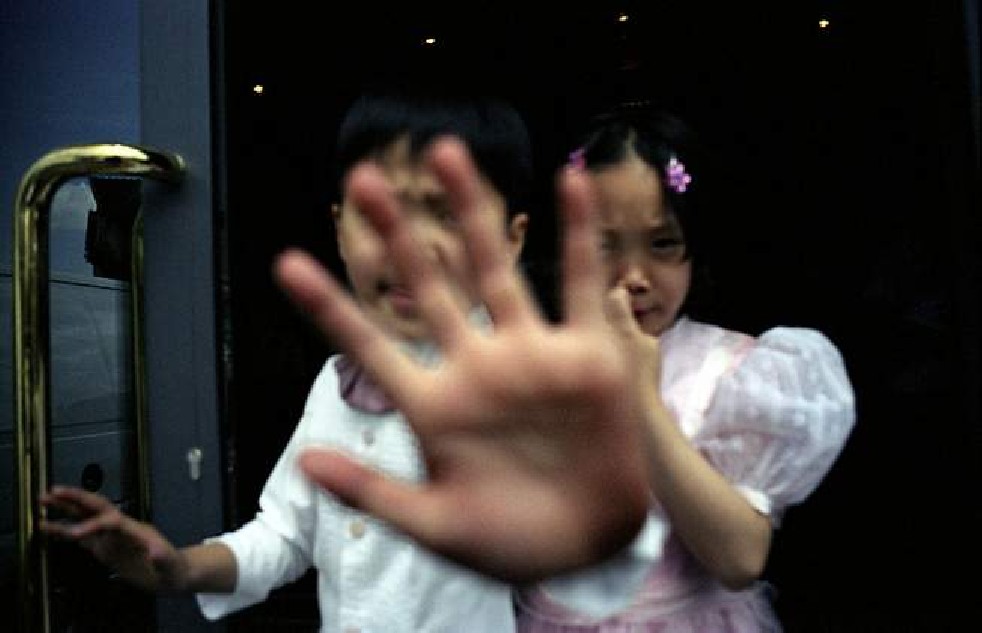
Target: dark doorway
[(847, 191)]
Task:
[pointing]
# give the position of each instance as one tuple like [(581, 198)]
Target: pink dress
[(772, 415)]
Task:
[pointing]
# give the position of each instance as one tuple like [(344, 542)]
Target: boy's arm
[(137, 551), (210, 568)]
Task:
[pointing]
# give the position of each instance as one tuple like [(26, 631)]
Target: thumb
[(618, 310), (413, 509)]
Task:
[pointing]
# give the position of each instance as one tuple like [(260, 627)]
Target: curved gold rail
[(31, 342)]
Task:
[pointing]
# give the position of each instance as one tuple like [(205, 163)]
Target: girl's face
[(643, 245), (377, 287)]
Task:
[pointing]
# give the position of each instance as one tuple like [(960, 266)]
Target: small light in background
[(430, 41), (622, 17), (823, 23), (258, 90)]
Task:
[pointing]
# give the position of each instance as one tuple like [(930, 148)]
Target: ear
[(515, 234)]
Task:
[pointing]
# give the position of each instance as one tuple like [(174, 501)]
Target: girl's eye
[(665, 243), (668, 248), (608, 244)]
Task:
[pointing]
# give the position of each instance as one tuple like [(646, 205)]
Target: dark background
[(845, 186)]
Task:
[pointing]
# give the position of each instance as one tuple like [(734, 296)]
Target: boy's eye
[(608, 243), (445, 216)]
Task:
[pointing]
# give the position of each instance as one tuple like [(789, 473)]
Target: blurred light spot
[(622, 17), (823, 23), (430, 41), (258, 89)]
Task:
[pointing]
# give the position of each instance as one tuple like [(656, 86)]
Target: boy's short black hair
[(493, 130)]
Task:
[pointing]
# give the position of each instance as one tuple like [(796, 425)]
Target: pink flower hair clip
[(678, 179), (577, 158)]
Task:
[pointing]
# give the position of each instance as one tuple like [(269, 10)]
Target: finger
[(55, 505), (503, 292), (77, 501), (105, 522), (333, 311), (583, 278), (56, 529), (368, 188), (405, 506), (618, 310)]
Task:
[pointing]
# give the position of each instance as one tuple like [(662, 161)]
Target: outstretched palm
[(530, 432)]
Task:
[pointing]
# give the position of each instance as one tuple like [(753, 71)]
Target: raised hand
[(134, 550), (531, 432), (644, 349)]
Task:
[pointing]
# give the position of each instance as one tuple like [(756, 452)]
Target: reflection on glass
[(93, 420)]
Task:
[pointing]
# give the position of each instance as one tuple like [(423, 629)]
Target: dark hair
[(656, 136), (493, 130)]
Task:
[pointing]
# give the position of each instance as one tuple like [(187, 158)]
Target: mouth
[(402, 301)]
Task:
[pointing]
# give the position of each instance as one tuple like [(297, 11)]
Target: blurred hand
[(134, 550), (531, 433)]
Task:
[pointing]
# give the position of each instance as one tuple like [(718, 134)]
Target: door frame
[(181, 109)]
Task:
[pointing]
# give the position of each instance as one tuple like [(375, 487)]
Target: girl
[(739, 428)]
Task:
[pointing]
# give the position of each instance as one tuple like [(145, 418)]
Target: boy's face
[(643, 245), (421, 198)]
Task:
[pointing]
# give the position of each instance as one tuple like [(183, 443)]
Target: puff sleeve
[(779, 418)]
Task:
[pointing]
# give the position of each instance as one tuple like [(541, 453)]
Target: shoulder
[(324, 393), (327, 377), (697, 339), (686, 332), (802, 341), (695, 355), (790, 378), (796, 360)]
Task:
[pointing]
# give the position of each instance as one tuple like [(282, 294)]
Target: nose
[(431, 243), (432, 248), (631, 276)]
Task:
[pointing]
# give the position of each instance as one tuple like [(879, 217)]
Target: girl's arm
[(716, 523)]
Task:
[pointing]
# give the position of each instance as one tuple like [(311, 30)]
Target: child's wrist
[(659, 416), (209, 567), (177, 575), (652, 401)]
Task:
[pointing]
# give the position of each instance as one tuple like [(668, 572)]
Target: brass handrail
[(32, 345)]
